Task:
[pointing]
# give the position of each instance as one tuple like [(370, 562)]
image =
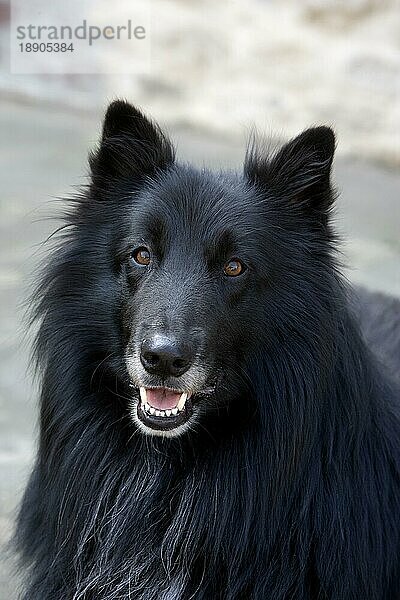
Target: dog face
[(205, 264), (194, 279)]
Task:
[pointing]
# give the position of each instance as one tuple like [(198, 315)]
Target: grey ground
[(43, 152)]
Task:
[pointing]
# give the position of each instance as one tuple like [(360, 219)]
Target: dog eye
[(141, 256), (234, 267)]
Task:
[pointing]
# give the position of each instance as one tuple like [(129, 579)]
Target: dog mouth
[(164, 409)]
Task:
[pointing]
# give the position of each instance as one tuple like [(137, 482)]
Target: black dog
[(213, 424)]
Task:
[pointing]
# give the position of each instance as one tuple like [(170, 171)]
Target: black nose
[(163, 355)]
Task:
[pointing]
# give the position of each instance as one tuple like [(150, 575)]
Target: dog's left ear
[(130, 146), (300, 171)]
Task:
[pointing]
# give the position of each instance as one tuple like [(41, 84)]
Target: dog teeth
[(182, 401), (169, 412), (146, 407), (143, 395)]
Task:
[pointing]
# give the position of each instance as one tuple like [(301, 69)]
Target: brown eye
[(141, 256), (233, 268)]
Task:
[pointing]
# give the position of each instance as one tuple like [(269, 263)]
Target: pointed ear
[(131, 145), (300, 171)]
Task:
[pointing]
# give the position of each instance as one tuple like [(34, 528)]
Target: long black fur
[(288, 485)]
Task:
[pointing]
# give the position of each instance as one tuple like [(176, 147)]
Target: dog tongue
[(162, 399)]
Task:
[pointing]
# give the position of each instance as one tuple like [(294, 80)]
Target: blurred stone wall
[(277, 64)]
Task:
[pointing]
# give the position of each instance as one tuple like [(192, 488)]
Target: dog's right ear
[(131, 145), (300, 171)]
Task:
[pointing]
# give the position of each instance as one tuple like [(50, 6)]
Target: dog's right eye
[(234, 267), (141, 256)]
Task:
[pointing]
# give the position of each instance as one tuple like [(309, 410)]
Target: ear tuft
[(317, 140), (119, 117), (300, 170), (131, 145)]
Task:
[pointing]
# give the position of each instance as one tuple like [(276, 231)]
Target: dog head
[(204, 269)]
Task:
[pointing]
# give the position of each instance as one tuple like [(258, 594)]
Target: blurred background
[(215, 70)]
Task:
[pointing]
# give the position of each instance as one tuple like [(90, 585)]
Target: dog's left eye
[(141, 256), (234, 267)]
